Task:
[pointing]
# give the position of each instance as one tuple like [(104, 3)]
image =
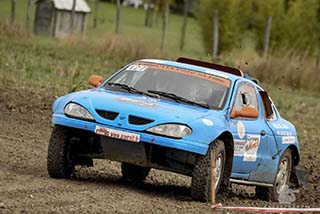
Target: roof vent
[(222, 68)]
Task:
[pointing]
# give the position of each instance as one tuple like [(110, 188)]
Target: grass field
[(132, 27)]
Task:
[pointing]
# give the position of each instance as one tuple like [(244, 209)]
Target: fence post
[(318, 58), (117, 30), (164, 26), (184, 25), (213, 178), (215, 44), (13, 11), (73, 13), (96, 10), (147, 13), (267, 36), (29, 6)]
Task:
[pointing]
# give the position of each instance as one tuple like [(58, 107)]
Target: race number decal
[(137, 68)]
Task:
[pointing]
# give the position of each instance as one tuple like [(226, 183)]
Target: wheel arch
[(295, 154)]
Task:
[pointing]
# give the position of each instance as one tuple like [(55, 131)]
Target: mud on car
[(171, 115)]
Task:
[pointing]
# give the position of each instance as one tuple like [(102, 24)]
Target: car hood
[(158, 111)]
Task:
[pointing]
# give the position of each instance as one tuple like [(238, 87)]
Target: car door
[(251, 135)]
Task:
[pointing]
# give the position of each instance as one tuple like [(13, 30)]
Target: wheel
[(282, 180), (200, 185), (58, 163), (134, 172)]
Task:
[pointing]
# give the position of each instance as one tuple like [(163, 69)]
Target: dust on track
[(25, 127)]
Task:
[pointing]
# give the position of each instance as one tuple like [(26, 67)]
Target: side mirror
[(95, 80), (245, 111)]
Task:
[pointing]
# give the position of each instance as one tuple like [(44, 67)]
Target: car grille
[(139, 120), (109, 115)]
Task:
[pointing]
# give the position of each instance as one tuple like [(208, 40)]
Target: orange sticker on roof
[(216, 79)]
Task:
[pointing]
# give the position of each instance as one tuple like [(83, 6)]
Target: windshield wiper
[(131, 89), (178, 98)]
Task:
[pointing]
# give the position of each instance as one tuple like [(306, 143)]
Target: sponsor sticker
[(207, 122), (138, 102), (280, 126), (251, 148), (213, 78), (288, 140), (117, 134), (239, 147), (284, 133), (241, 130)]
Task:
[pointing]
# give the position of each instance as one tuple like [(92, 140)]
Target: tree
[(230, 27), (302, 33)]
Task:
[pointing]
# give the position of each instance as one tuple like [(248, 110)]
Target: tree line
[(283, 26)]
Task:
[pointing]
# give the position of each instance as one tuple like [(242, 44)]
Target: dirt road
[(26, 188)]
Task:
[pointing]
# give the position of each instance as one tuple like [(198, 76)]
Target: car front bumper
[(180, 144)]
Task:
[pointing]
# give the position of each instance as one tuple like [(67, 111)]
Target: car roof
[(226, 75)]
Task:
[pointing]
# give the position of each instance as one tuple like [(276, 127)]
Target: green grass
[(132, 27)]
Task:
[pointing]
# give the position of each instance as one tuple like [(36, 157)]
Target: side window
[(245, 96), (268, 106), (273, 116)]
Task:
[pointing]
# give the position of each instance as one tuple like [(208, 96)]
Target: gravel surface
[(25, 187)]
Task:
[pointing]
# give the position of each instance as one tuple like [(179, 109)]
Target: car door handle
[(263, 132)]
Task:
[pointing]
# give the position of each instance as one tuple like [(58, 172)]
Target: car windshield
[(170, 82)]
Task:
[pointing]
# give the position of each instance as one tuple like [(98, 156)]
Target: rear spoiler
[(222, 68)]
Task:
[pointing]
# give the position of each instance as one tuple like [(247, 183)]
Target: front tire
[(282, 179), (200, 186), (58, 163), (134, 172)]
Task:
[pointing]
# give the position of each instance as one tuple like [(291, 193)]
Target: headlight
[(171, 130), (77, 111)]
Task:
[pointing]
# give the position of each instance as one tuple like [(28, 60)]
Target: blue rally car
[(170, 115)]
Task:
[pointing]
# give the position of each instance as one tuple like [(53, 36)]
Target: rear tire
[(134, 172), (200, 186), (281, 181), (58, 163)]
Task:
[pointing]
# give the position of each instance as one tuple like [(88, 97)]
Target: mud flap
[(122, 151), (300, 177)]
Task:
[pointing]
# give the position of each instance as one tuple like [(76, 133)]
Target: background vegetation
[(295, 25), (292, 62)]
